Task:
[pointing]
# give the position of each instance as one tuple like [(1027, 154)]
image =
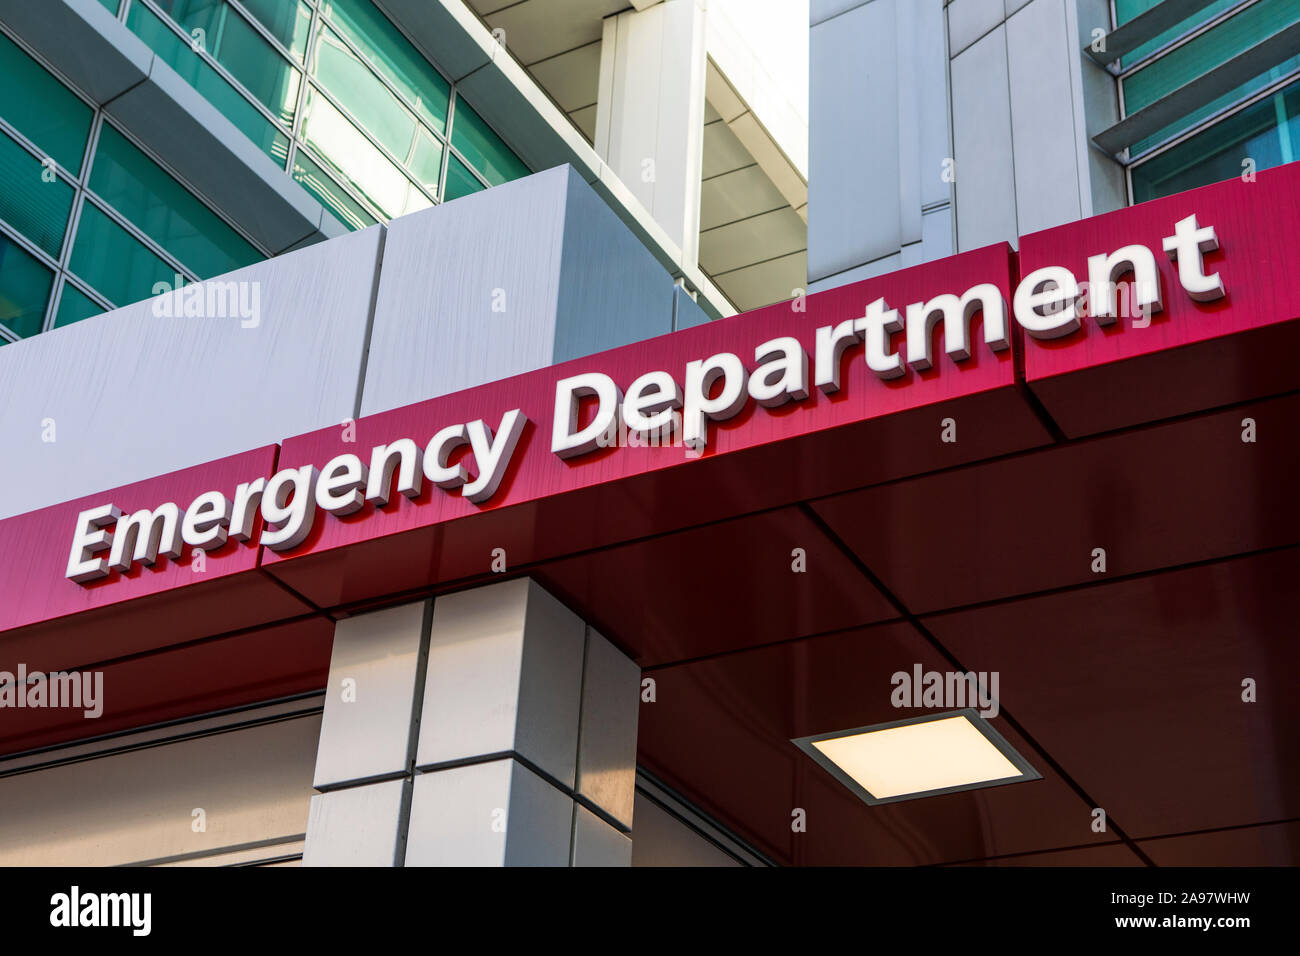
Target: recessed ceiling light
[(919, 757)]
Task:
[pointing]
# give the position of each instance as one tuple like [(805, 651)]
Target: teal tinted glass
[(110, 6), (74, 305), (32, 199), (287, 22), (208, 82), (1212, 107), (1268, 132), (113, 262), (243, 51), (482, 148), (164, 210), (24, 289), (426, 160), (394, 56), (361, 94), (1126, 10), (356, 161), (1197, 56), (42, 108), (329, 194), (460, 181)]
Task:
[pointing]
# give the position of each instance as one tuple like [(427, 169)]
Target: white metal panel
[(1044, 117), (968, 20), (445, 271), (910, 120), (853, 184), (825, 9), (936, 233), (505, 281), (370, 697), (596, 843), (357, 826), (931, 78), (985, 182), (132, 395), (504, 674), (488, 814), (612, 292), (650, 112), (611, 701)]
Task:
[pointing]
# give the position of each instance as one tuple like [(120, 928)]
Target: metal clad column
[(364, 758), (490, 727), (650, 112)]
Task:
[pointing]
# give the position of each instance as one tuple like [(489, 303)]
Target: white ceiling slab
[(572, 78), (756, 239), (723, 151), (585, 120), (537, 29), (737, 195), (766, 282)]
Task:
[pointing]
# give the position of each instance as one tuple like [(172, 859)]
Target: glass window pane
[(361, 94), (32, 199), (164, 210), (1126, 10), (394, 57), (460, 181), (42, 108), (110, 6), (329, 194), (483, 148), (1209, 109), (356, 161), (208, 82), (426, 160), (1233, 36), (1268, 132), (287, 22), (74, 305), (243, 51), (24, 289), (113, 262)]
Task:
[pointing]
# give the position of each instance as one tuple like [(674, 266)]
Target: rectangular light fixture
[(919, 757)]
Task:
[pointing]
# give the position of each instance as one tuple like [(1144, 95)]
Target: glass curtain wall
[(1252, 127), (331, 90)]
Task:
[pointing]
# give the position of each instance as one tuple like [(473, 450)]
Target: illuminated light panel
[(919, 757)]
